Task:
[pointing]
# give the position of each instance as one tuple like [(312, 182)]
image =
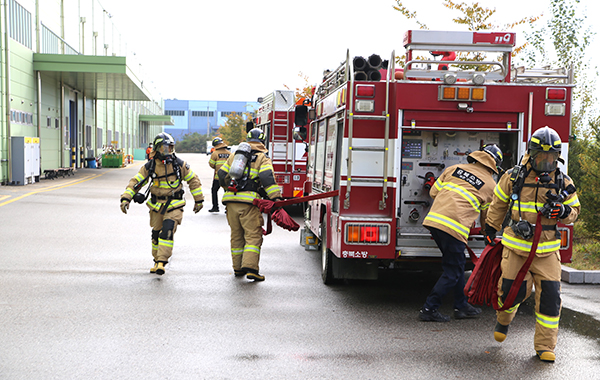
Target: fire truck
[(285, 126), (382, 142)]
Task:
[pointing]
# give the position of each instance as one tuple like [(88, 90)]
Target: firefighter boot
[(239, 272), (160, 267), (546, 356), (252, 274), (153, 269), (500, 332), (428, 315), (466, 312)]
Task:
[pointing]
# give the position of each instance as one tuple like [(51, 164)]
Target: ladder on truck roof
[(385, 149), (429, 40)]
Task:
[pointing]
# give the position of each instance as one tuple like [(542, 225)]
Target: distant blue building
[(202, 116)]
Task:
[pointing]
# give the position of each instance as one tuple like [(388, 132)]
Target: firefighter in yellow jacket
[(461, 194), (247, 175), (218, 157), (165, 174), (537, 185)]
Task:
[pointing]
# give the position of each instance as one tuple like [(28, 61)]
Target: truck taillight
[(367, 233), (282, 179), (365, 91), (462, 93), (559, 94)]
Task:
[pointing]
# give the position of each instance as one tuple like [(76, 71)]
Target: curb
[(574, 276)]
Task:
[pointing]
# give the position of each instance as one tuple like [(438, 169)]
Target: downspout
[(39, 112), (7, 89), (62, 126), (39, 78)]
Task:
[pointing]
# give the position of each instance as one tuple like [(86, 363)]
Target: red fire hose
[(275, 212)]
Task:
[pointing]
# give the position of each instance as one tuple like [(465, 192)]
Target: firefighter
[(462, 193), (244, 218), (164, 173), (148, 151), (537, 185), (218, 157)]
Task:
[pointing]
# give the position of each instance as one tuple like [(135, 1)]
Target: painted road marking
[(50, 188)]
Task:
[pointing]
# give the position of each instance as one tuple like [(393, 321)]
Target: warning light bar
[(462, 93), (357, 233)]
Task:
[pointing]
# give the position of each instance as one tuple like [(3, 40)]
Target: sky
[(239, 50)]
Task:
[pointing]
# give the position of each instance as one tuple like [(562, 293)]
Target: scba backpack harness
[(151, 167), (482, 286)]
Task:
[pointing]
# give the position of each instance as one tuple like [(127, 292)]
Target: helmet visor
[(544, 161)]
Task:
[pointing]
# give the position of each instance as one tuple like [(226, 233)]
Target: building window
[(227, 113), (174, 113), (203, 113)]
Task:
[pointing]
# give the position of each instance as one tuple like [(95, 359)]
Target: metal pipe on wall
[(7, 87)]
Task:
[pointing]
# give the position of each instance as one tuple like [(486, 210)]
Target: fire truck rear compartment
[(424, 154)]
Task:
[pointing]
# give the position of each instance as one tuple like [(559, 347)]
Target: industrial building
[(70, 89), (203, 116)]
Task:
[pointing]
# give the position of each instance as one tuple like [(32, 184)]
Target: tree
[(589, 181), (570, 40), (475, 18), (306, 92), (234, 130), (192, 143)]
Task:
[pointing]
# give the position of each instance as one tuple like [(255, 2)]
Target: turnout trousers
[(163, 231), (245, 221), (453, 278), (544, 273), (214, 192)]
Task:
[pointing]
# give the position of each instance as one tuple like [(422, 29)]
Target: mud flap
[(354, 269)]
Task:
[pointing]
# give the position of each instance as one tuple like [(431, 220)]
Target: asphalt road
[(77, 302)]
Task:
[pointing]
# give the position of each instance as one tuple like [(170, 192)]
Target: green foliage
[(234, 130), (589, 181), (570, 40), (192, 143), (474, 18)]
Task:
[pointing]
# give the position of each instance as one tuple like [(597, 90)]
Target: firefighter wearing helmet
[(164, 175), (247, 175), (535, 186), (461, 194), (218, 157)]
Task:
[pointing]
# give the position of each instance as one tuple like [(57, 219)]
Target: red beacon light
[(559, 94)]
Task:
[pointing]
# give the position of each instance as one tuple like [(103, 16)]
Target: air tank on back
[(240, 159)]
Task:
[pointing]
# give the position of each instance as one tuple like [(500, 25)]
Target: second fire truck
[(383, 142), (285, 125)]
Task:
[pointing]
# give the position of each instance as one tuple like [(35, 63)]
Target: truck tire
[(326, 258)]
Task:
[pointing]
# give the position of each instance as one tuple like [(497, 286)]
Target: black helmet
[(544, 148), (256, 134), (494, 151), (163, 139), (216, 141)]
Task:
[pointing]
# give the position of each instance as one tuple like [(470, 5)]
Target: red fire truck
[(285, 126), (382, 143)]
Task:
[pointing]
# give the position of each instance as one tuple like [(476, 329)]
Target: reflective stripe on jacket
[(261, 171), (218, 157), (163, 187), (529, 205), (460, 194)]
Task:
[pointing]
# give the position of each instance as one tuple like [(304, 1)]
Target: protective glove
[(555, 210), (198, 206), (124, 206), (489, 235)]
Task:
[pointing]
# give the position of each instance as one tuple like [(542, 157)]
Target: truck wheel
[(326, 258)]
